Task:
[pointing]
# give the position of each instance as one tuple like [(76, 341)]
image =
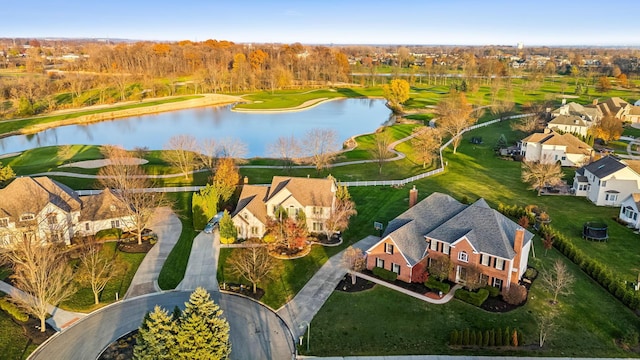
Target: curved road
[(256, 331)]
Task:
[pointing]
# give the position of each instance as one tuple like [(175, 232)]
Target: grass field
[(13, 343)]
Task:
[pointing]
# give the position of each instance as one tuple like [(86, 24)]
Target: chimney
[(518, 241), (245, 181), (413, 197), (564, 101), (595, 101)]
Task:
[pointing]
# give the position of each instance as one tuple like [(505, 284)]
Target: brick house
[(470, 236)]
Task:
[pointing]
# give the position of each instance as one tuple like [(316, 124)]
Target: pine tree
[(156, 337), (228, 231), (203, 333)]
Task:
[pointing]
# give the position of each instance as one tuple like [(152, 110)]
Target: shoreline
[(304, 106)]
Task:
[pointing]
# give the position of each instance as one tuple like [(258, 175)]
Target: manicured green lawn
[(82, 300), (291, 98)]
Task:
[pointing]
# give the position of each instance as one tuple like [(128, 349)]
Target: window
[(388, 248), (317, 226), (556, 157), (112, 208), (499, 264), (635, 216), (434, 245), (4, 222), (395, 268), (485, 259), (611, 197), (484, 279), (583, 187), (27, 217), (445, 248), (317, 210), (87, 226), (497, 283), (254, 230), (380, 263), (52, 219), (462, 256), (115, 224), (604, 184)]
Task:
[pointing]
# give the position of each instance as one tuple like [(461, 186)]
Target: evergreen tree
[(228, 231), (203, 333), (156, 337)]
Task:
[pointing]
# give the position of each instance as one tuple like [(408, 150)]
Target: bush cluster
[(596, 270), (436, 285), (11, 309), (487, 338), (493, 291), (384, 274), (473, 298)]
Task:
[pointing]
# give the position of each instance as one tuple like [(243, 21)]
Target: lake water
[(347, 117)]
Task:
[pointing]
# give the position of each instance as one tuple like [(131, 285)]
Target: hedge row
[(384, 274), (473, 298), (493, 291), (11, 309), (487, 338), (596, 270), (436, 285)]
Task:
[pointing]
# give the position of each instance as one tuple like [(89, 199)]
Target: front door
[(461, 274)]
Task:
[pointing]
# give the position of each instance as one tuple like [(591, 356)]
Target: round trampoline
[(597, 231)]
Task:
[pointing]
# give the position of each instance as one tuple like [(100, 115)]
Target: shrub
[(472, 338), (436, 285), (506, 337), (485, 338), (514, 338), (11, 309), (384, 274), (499, 337), (479, 338), (493, 291), (515, 295), (473, 298), (269, 238), (454, 338), (465, 337), (492, 338), (109, 234), (227, 240), (630, 338)]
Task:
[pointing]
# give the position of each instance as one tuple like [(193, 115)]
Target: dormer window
[(4, 223), (112, 208), (27, 216)]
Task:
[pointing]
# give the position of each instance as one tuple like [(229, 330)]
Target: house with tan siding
[(470, 236)]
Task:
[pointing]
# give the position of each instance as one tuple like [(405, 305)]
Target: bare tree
[(557, 280), (97, 268), (455, 114), (320, 145), (41, 272), (440, 267), (232, 148), (208, 154), (473, 279), (381, 151), (546, 325), (287, 149), (426, 143), (527, 124), (539, 174), (252, 263), (343, 209), (354, 261)]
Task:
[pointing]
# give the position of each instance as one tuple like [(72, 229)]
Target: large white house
[(552, 146), (607, 181), (629, 210), (315, 197), (51, 211)]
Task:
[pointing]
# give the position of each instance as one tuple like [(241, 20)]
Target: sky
[(400, 22)]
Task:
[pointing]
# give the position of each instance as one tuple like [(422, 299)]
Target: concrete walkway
[(445, 299), (202, 267), (168, 227), (308, 301), (59, 320)]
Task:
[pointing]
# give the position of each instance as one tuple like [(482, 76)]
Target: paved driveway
[(166, 224), (203, 263), (256, 331)]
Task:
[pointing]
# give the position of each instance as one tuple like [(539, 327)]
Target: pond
[(347, 117)]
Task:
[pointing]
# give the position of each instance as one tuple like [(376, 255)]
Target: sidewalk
[(202, 267), (59, 320), (445, 299), (306, 304), (167, 226)]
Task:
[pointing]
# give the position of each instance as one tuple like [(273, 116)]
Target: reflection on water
[(348, 117)]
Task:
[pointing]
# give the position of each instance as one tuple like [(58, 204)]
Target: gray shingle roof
[(605, 166), (441, 217)]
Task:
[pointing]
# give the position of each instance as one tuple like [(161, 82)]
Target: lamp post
[(308, 326)]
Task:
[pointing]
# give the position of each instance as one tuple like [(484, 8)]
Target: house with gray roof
[(51, 211), (315, 197), (607, 181), (475, 239)]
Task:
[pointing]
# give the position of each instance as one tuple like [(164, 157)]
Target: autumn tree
[(41, 272), (515, 294), (226, 178), (557, 280), (547, 241), (396, 93), (320, 146), (354, 261), (6, 174), (455, 114), (252, 262), (603, 84), (97, 268), (289, 230), (287, 149), (381, 151), (181, 152), (607, 129), (440, 267), (343, 209), (473, 279), (426, 143), (539, 174)]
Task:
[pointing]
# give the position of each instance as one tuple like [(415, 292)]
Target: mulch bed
[(120, 349), (133, 247), (31, 329), (243, 290), (361, 284)]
